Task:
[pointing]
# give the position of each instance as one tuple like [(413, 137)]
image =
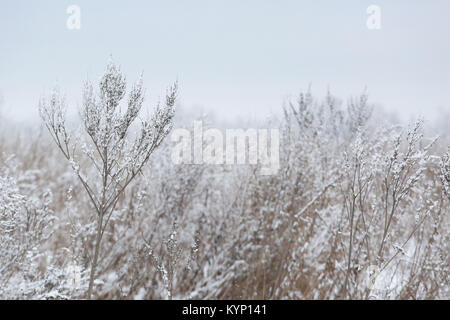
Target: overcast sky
[(236, 58)]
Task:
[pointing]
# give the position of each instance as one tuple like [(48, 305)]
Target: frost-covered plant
[(445, 173), (25, 224), (115, 154), (353, 194), (350, 195)]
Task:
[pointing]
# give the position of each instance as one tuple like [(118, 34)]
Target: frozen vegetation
[(359, 208)]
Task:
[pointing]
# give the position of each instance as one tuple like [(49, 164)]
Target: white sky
[(232, 58)]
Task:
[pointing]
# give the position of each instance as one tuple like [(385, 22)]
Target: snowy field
[(212, 174)]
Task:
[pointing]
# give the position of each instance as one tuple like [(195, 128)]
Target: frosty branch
[(113, 152)]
